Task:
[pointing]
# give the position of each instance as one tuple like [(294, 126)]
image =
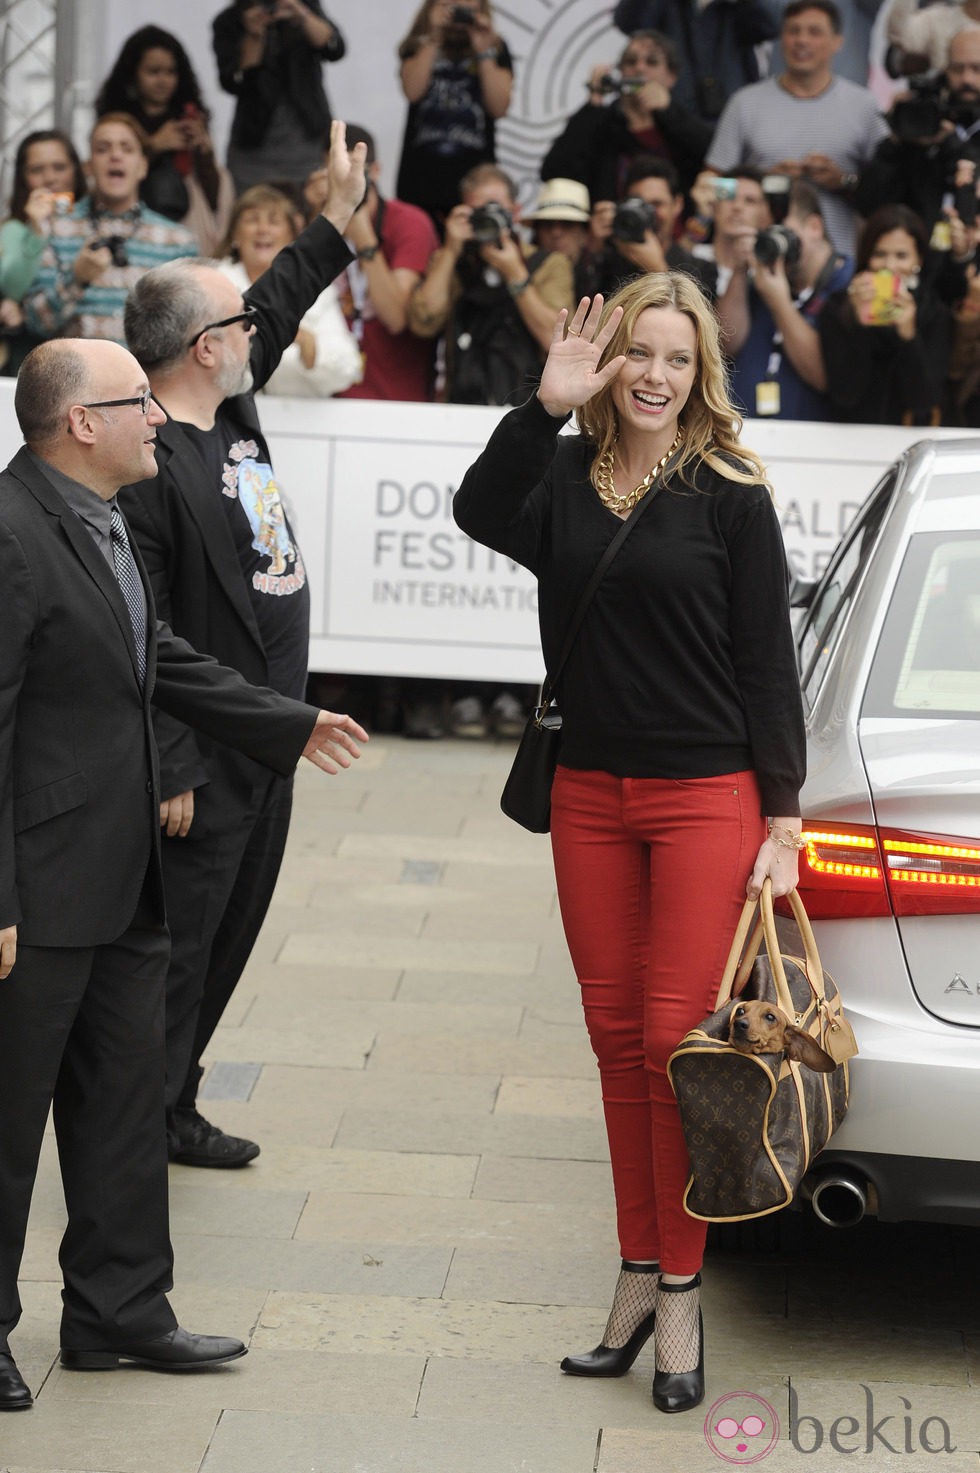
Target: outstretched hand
[(571, 374), (345, 177), (334, 741)]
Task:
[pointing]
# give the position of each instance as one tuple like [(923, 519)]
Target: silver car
[(889, 656)]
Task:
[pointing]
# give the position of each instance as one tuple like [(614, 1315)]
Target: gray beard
[(234, 379)]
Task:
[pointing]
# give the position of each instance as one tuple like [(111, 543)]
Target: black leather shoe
[(606, 1360), (193, 1141), (178, 1351), (15, 1394), (679, 1391)]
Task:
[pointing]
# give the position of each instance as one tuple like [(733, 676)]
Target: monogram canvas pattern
[(753, 1123)]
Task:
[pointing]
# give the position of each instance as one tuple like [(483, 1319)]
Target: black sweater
[(684, 664)]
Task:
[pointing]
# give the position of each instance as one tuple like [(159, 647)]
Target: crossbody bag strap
[(551, 679)]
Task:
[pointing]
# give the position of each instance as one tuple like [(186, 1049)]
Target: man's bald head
[(53, 377), (963, 66), (66, 371)]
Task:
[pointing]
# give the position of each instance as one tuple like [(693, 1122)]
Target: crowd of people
[(777, 193)]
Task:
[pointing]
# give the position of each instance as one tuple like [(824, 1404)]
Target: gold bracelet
[(795, 841)]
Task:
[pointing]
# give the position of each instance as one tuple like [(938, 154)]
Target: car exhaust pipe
[(840, 1200)]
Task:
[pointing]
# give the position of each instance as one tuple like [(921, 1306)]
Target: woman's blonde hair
[(710, 421)]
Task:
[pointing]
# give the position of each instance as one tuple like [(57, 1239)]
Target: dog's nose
[(741, 1023)]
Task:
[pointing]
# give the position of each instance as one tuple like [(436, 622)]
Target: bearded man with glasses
[(228, 576)]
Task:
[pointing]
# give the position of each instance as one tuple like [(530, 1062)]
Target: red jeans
[(651, 881)]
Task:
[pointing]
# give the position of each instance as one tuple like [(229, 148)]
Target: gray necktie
[(129, 581)]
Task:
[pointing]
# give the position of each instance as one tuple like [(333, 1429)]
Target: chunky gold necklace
[(605, 485)]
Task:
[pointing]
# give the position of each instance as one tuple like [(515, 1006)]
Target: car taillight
[(859, 870), (841, 872), (931, 874)]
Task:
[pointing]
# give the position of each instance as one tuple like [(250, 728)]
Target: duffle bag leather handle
[(741, 958)]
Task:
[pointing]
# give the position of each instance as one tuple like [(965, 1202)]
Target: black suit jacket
[(79, 792), (183, 534)]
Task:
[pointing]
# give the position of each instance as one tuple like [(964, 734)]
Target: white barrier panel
[(397, 589)]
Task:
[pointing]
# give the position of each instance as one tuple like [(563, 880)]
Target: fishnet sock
[(678, 1330), (635, 1298)]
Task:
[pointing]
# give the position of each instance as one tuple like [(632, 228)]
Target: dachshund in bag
[(762, 1028)]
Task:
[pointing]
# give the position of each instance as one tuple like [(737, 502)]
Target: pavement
[(429, 1227)]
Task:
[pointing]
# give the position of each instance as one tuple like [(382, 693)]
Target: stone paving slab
[(437, 1220), (295, 1170), (288, 982), (342, 1048), (632, 1451), (367, 1268), (504, 1135), (354, 949), (288, 1099), (243, 1207), (569, 1058), (119, 1436), (533, 1179), (268, 1381), (533, 990), (246, 1443), (315, 1015), (569, 1099), (477, 1329)]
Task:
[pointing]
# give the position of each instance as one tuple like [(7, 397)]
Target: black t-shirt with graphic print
[(272, 565)]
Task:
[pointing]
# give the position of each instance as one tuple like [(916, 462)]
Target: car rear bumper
[(903, 1187)]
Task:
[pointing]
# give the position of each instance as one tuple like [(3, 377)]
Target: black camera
[(778, 243), (611, 84), (633, 218), (114, 244), (922, 114), (463, 15), (489, 222)]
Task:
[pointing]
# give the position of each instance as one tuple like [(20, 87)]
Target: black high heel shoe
[(610, 1360), (679, 1390)]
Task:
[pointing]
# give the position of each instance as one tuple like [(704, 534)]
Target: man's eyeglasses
[(246, 318), (143, 400)]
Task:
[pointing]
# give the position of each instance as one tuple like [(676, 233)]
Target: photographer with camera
[(639, 231), (495, 298), (630, 111), (929, 161), (48, 182), (270, 58), (716, 43), (769, 311), (457, 74), (98, 251), (886, 339)]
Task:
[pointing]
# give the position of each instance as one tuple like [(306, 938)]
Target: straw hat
[(561, 199)]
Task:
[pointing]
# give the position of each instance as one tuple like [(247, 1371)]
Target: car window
[(825, 619), (928, 658)]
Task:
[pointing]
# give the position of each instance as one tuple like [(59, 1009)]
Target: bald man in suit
[(83, 941)]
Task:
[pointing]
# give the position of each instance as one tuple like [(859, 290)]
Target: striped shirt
[(57, 306)]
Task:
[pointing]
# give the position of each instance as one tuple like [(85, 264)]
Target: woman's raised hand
[(572, 374)]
